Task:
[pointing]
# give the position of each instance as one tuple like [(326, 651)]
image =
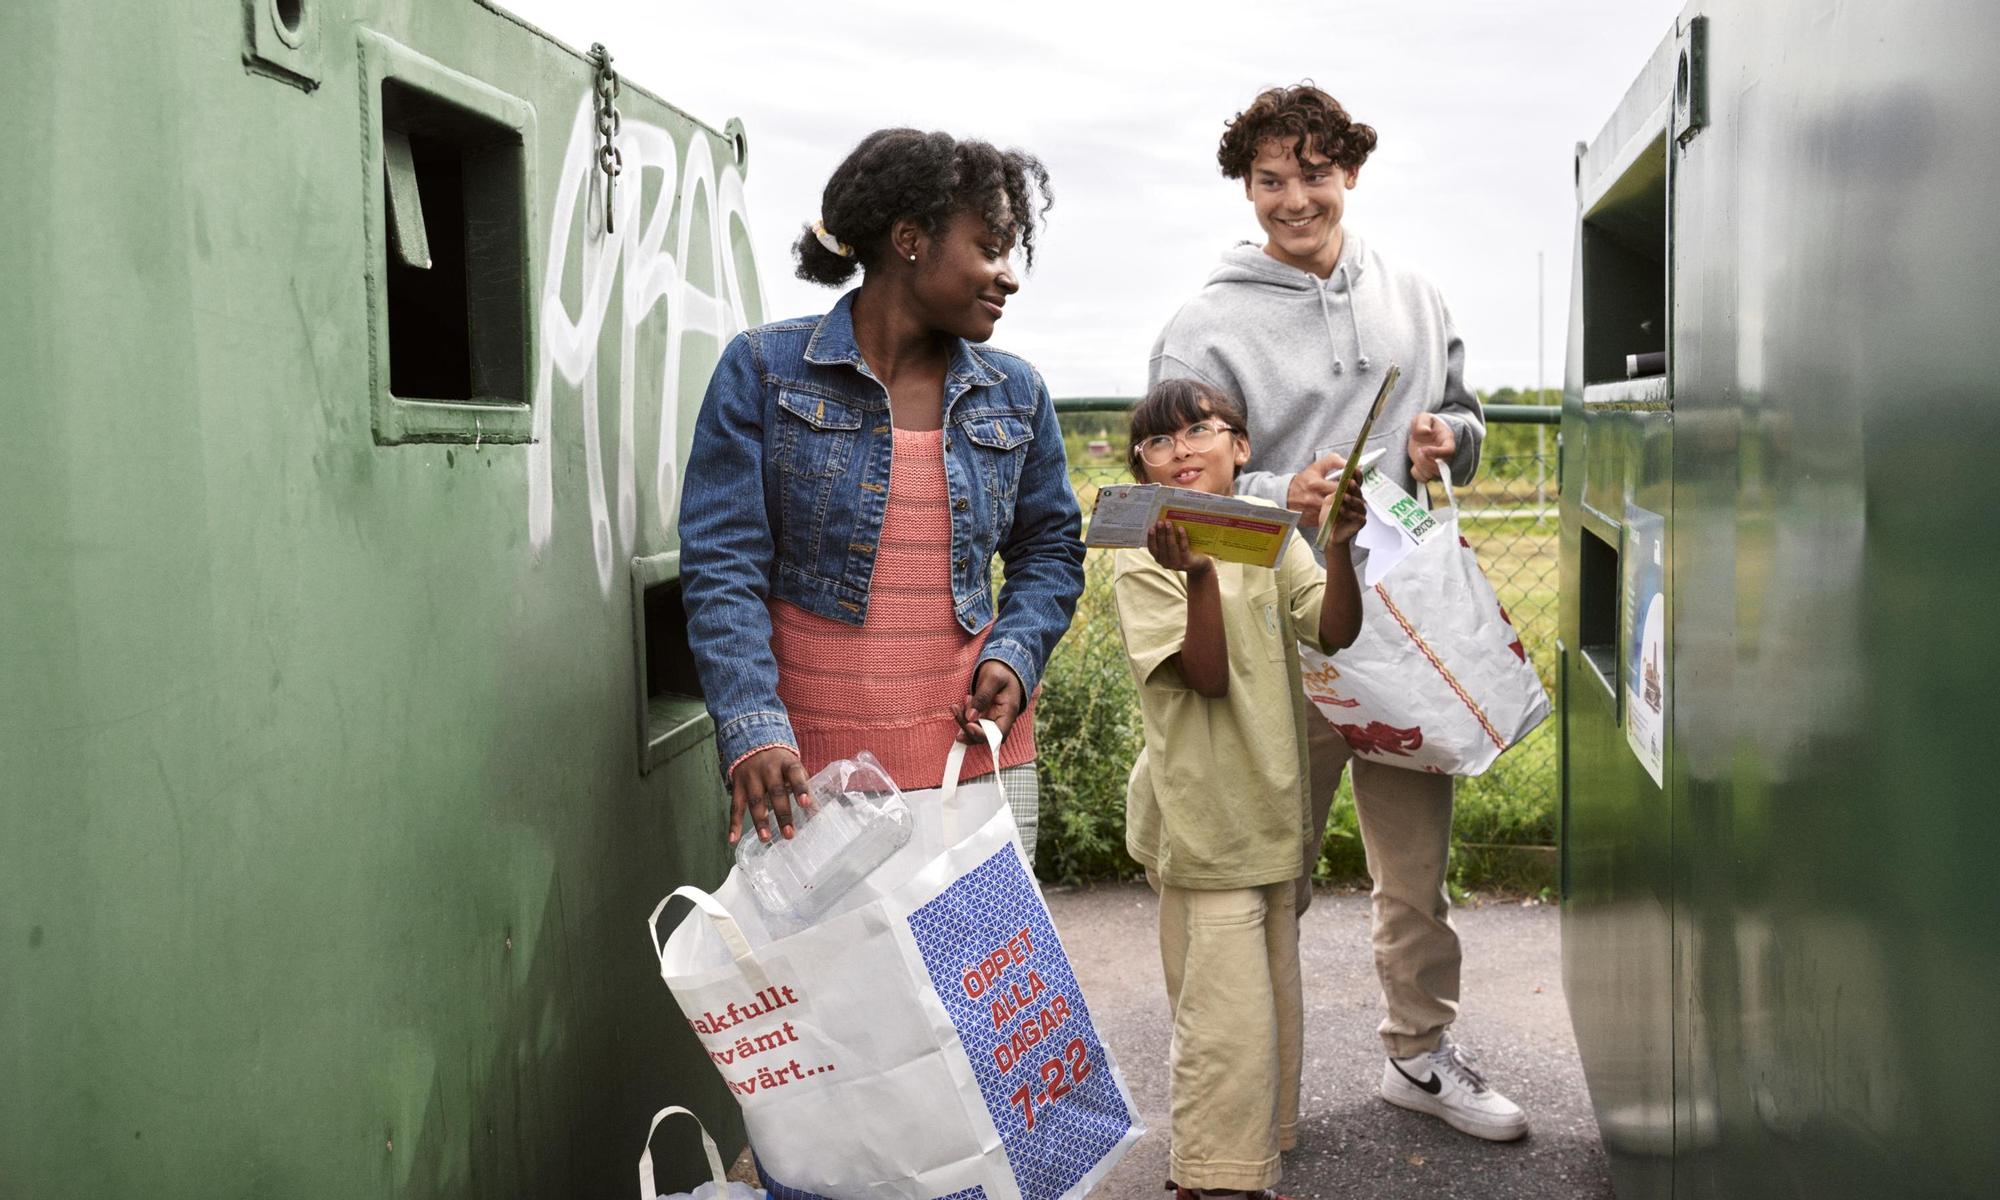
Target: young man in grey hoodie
[(1300, 330)]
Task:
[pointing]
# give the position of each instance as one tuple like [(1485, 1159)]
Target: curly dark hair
[(1171, 406), (927, 177), (1303, 112)]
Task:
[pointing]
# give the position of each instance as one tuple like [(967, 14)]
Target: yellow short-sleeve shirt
[(1217, 797)]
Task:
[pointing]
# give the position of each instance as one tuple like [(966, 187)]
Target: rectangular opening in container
[(669, 659), (456, 252), (1625, 274), (1597, 606), (673, 717)]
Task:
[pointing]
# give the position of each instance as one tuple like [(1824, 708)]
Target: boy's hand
[(1168, 543), (1353, 515)]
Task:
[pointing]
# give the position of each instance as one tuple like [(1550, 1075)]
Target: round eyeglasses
[(1199, 437)]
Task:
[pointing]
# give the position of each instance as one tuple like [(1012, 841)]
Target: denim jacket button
[(959, 563), (960, 505)]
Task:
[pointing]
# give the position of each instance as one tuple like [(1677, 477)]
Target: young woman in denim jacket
[(852, 477)]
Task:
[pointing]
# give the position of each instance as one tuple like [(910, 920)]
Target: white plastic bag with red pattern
[(1438, 680)]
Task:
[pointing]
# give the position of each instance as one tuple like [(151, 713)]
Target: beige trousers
[(1405, 819), (1232, 967)]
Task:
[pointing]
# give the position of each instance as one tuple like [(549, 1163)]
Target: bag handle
[(954, 761), (1444, 477), (725, 926), (646, 1189)]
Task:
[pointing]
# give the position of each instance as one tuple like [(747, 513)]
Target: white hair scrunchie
[(833, 244)]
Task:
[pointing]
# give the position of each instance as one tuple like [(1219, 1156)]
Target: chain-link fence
[(1087, 731)]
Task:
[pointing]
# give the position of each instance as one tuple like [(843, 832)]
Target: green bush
[(1087, 734)]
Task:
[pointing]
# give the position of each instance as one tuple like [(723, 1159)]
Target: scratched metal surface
[(324, 848), (1780, 965)]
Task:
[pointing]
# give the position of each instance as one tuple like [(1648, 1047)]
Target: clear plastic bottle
[(856, 821)]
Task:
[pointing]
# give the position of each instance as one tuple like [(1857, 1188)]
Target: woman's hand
[(996, 696), (1168, 543), (767, 780), (1353, 515)]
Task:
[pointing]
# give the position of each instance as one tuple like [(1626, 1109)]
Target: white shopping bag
[(924, 1039), (1438, 680), (716, 1187)]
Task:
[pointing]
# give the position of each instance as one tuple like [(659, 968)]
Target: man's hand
[(996, 696), (1310, 489), (1431, 442), (766, 780)]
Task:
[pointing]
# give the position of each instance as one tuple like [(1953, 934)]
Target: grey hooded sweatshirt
[(1305, 357)]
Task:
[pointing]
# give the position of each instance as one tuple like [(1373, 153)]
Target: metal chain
[(609, 160)]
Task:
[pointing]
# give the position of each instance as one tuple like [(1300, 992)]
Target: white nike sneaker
[(1444, 1084)]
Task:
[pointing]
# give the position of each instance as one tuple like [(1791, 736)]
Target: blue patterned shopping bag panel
[(780, 1192), (994, 959)]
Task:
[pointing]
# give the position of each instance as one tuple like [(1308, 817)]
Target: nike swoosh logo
[(1433, 1085)]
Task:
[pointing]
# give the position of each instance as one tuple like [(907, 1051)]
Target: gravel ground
[(1351, 1142)]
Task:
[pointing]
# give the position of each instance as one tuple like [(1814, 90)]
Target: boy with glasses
[(1217, 797)]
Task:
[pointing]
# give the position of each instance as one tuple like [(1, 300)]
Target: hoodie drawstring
[(1326, 317), (1354, 321), (1353, 318)]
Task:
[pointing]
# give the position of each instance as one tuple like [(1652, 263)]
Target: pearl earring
[(913, 258)]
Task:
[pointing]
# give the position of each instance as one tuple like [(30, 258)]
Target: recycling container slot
[(1597, 607), (669, 660), (673, 717), (456, 256), (1624, 239)]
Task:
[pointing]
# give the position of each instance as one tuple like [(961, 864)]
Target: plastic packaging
[(856, 821)]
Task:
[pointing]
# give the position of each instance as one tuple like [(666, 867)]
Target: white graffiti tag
[(652, 276)]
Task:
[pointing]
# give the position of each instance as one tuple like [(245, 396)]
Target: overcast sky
[(1478, 105)]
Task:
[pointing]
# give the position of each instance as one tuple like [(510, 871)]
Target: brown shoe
[(1181, 1193)]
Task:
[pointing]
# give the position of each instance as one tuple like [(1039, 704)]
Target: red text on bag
[(987, 971)]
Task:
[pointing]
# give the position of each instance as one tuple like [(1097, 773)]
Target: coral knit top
[(889, 685)]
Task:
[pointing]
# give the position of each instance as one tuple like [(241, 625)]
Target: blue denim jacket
[(786, 487)]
